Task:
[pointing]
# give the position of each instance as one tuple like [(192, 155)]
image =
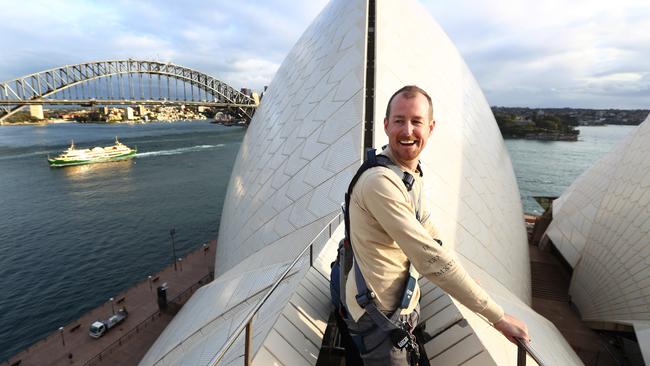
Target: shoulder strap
[(372, 160), (365, 296)]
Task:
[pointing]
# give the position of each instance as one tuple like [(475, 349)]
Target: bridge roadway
[(93, 102), (128, 343)]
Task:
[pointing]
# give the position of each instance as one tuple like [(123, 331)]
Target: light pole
[(172, 232), (205, 257), (150, 287), (180, 262), (112, 307), (62, 339)]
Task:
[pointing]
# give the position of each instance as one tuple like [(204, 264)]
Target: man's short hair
[(409, 91)]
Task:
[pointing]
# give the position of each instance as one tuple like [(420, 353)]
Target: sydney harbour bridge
[(123, 82)]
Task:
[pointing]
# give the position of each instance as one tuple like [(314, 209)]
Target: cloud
[(535, 53), (200, 34), (141, 47), (525, 53)]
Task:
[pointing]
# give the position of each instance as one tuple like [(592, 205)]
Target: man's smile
[(407, 142)]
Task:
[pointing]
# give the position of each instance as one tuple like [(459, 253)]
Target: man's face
[(408, 128)]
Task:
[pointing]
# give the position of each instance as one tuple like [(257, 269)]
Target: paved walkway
[(550, 282), (126, 344)]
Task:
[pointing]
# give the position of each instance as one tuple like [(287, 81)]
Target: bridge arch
[(37, 87)]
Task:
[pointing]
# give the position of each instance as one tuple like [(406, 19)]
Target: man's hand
[(512, 328)]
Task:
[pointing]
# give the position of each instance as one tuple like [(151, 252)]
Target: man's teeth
[(407, 142)]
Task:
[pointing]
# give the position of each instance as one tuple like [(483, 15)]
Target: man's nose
[(409, 128)]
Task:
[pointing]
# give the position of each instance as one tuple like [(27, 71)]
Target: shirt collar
[(386, 151)]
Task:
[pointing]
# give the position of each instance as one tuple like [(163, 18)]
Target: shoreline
[(71, 343), (63, 121), (39, 123), (544, 138)]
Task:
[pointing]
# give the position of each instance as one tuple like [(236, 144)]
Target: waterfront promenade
[(550, 289), (129, 341)]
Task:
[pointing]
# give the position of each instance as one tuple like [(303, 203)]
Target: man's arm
[(384, 197), (425, 217)]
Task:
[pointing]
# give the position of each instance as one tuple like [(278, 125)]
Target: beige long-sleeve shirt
[(386, 235)]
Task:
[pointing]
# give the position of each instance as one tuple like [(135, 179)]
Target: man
[(390, 231)]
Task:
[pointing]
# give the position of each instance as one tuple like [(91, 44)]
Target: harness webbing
[(399, 331), (365, 297)]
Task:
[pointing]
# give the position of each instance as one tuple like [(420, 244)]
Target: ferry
[(74, 156)]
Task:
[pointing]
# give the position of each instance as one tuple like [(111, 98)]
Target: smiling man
[(393, 239)]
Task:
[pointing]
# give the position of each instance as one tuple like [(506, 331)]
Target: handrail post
[(521, 355), (524, 351), (247, 324), (249, 340)]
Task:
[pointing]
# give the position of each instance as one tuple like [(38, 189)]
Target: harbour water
[(71, 238), (547, 168)]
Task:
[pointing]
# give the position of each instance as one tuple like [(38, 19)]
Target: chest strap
[(365, 297)]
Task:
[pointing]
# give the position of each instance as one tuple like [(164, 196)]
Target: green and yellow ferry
[(74, 156)]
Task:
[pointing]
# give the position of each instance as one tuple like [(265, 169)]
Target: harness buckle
[(365, 298), (401, 336), (408, 181)]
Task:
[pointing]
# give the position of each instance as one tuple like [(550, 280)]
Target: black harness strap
[(365, 297), (373, 160)]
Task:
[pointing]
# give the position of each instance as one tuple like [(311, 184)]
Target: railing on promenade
[(248, 320), (128, 335), (178, 299)]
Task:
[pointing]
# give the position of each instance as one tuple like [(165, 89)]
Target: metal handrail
[(247, 323), (524, 348)]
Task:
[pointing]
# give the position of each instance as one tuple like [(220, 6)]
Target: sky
[(523, 53)]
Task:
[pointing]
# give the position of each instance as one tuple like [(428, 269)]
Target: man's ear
[(386, 125), (432, 125)]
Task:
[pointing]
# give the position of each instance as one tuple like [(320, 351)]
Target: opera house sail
[(324, 106), (601, 226)]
